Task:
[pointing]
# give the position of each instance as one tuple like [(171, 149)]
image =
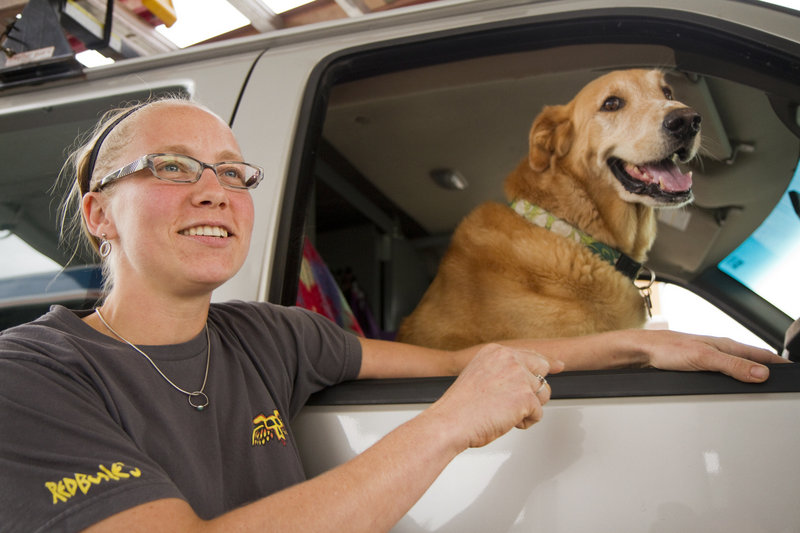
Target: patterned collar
[(543, 218)]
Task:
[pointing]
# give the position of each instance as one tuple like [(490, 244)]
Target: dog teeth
[(638, 173)]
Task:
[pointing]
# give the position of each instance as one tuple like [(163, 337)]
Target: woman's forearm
[(369, 493), (499, 389), (613, 349), (667, 350)]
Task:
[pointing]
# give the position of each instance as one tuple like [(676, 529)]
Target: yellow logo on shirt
[(268, 428), (68, 487)]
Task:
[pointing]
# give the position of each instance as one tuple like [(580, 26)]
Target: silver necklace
[(197, 399)]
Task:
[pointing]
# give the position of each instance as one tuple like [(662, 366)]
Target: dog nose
[(683, 123)]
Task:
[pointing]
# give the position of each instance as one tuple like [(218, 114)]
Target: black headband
[(98, 143)]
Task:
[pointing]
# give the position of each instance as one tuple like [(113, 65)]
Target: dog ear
[(551, 136)]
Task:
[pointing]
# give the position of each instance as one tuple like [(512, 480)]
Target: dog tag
[(645, 292), (648, 303)]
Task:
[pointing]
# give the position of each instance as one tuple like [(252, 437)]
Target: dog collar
[(547, 220)]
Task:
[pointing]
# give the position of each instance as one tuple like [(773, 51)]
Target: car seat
[(318, 291)]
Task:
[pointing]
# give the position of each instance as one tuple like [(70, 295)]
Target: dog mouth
[(659, 180)]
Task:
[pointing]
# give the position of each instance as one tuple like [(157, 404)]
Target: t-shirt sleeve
[(312, 351), (330, 355), (64, 463)]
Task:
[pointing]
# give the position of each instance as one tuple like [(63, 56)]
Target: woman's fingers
[(500, 389)]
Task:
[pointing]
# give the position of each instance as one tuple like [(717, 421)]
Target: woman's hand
[(499, 389), (670, 350), (667, 350)]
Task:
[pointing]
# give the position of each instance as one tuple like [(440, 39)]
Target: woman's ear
[(94, 206), (550, 136)]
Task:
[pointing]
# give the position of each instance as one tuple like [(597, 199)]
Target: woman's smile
[(206, 231)]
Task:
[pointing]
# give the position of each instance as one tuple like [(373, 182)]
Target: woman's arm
[(667, 350), (498, 390)]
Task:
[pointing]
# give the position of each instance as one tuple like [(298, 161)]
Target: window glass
[(768, 261), (17, 258), (678, 309)]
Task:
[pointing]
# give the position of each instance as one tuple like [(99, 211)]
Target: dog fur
[(503, 277)]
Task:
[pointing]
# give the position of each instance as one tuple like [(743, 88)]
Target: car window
[(36, 268), (679, 309), (768, 261), (18, 258), (381, 219)]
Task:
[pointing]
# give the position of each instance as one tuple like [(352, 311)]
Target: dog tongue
[(665, 174)]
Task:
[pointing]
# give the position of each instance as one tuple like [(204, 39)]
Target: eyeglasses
[(179, 168)]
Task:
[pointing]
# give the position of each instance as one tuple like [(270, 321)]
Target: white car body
[(617, 451)]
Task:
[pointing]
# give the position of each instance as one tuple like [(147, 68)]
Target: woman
[(161, 412)]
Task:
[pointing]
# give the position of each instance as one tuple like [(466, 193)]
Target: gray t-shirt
[(88, 428)]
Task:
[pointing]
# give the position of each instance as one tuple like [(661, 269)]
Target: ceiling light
[(449, 179), (92, 58), (281, 6), (200, 20)]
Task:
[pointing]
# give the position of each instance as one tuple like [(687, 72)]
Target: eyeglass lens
[(173, 167)]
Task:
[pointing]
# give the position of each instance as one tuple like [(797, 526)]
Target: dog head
[(624, 128)]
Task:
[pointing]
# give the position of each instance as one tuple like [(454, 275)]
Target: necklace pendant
[(198, 399)]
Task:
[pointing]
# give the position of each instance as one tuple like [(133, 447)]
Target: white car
[(350, 118)]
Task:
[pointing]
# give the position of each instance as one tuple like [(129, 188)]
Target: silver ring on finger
[(542, 383)]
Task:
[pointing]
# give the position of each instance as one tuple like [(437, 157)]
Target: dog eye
[(667, 92), (613, 103)]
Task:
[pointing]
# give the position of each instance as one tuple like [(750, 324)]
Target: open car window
[(385, 119)]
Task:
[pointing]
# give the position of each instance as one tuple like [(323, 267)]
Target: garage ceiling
[(134, 23)]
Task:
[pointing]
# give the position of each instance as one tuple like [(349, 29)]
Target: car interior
[(407, 149)]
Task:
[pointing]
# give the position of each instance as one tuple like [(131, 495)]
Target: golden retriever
[(546, 265)]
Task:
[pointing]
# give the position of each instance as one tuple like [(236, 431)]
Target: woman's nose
[(209, 188)]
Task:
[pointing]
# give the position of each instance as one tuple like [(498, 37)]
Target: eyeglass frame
[(146, 162)]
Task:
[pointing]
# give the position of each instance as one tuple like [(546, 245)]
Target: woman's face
[(166, 235)]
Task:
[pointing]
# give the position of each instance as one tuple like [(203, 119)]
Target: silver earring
[(105, 246)]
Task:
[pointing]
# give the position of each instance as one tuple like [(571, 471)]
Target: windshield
[(767, 262)]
